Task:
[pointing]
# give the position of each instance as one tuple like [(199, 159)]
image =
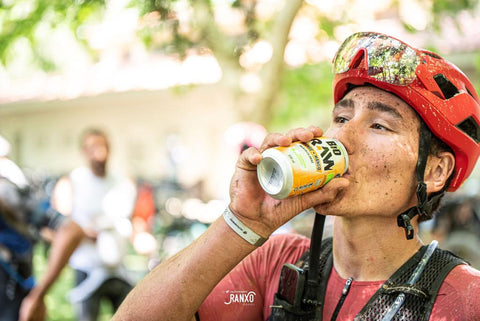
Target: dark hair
[(92, 131)]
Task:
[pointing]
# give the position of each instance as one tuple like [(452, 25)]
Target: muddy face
[(380, 133)]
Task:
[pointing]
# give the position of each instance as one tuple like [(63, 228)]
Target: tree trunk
[(272, 71)]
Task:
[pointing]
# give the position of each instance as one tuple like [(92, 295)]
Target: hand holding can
[(301, 167)]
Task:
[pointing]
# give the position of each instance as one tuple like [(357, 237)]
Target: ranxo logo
[(240, 297)]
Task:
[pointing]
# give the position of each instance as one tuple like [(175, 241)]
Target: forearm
[(176, 288), (65, 241)]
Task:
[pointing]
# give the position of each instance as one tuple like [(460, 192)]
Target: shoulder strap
[(441, 275), (419, 296), (285, 311), (325, 270)]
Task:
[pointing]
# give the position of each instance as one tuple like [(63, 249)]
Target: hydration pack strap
[(417, 273), (419, 295), (290, 302)]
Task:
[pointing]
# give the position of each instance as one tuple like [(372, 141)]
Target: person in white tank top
[(101, 204)]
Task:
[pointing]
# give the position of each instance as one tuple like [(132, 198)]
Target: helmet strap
[(424, 204)]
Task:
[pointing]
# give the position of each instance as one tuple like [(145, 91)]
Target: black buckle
[(404, 220)]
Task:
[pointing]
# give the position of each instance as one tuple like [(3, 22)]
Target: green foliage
[(161, 30), (59, 307), (409, 28), (20, 20), (164, 31), (163, 7), (328, 25), (305, 97), (477, 67), (453, 7)]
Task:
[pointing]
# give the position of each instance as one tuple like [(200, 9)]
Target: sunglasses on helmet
[(389, 60)]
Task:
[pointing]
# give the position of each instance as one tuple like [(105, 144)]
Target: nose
[(100, 153)]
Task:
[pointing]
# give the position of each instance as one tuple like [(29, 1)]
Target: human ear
[(438, 170)]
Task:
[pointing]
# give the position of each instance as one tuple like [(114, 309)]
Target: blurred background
[(182, 86)]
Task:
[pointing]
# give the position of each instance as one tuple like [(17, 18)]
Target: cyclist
[(409, 122)]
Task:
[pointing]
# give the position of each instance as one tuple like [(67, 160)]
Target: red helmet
[(438, 91)]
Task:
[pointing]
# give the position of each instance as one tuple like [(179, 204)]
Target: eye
[(340, 119), (379, 127)]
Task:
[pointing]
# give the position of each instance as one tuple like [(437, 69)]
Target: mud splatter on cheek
[(385, 165), (364, 151)]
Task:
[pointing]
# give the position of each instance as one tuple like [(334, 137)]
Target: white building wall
[(45, 135)]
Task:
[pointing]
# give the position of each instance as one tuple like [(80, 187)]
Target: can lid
[(275, 174)]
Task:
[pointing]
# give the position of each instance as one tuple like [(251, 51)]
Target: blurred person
[(243, 135), (457, 228), (409, 121), (21, 220), (143, 218), (101, 203)]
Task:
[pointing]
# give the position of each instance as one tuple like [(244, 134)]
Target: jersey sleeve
[(246, 293)]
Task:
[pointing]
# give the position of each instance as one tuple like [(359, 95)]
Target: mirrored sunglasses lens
[(389, 60), (347, 50), (392, 62)]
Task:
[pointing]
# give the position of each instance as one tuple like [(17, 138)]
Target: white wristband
[(241, 229)]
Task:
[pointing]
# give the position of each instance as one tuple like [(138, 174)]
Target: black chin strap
[(424, 204)]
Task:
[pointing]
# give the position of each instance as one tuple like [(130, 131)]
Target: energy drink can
[(301, 167)]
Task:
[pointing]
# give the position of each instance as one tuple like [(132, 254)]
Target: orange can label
[(301, 167)]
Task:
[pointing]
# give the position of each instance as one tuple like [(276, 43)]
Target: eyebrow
[(344, 103), (374, 105)]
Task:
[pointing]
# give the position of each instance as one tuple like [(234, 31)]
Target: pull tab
[(345, 291), (346, 288)]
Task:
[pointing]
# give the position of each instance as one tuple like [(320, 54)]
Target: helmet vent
[(470, 127), (468, 91), (448, 89), (431, 54)]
